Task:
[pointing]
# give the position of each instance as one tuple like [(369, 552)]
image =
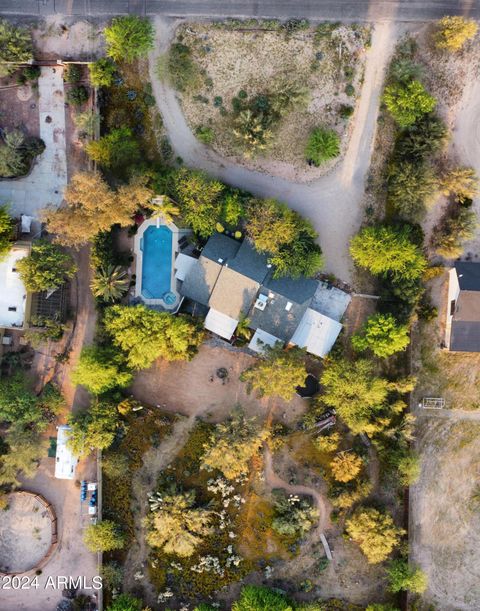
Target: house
[(14, 299), (462, 331), (232, 281)]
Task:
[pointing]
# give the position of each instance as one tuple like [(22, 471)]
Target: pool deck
[(177, 233)]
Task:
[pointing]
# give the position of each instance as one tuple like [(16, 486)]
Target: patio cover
[(183, 264), (316, 332), (262, 338), (221, 324)]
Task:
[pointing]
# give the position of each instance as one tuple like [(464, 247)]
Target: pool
[(156, 245)]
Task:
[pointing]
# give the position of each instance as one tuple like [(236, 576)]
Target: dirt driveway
[(187, 387)]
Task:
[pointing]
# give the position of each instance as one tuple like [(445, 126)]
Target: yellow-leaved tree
[(374, 532)]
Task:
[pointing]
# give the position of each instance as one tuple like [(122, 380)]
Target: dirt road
[(334, 202)]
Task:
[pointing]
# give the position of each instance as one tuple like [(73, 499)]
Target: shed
[(316, 332)]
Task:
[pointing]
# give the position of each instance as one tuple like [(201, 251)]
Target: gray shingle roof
[(250, 263), (465, 336), (299, 290), (200, 280), (220, 246), (468, 274), (275, 319), (233, 293)]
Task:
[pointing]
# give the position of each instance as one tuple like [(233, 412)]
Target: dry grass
[(262, 61)]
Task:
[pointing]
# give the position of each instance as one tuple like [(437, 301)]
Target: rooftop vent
[(288, 307), (261, 302)]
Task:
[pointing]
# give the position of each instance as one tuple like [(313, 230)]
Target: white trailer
[(65, 461)]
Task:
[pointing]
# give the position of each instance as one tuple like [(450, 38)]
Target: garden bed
[(243, 63)]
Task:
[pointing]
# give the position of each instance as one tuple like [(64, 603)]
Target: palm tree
[(243, 329), (110, 283), (163, 206)]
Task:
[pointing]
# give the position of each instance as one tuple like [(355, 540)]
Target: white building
[(14, 302), (65, 461)]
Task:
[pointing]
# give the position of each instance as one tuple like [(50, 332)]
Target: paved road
[(398, 10)]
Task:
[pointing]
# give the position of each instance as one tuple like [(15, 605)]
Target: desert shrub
[(115, 150), (77, 95), (15, 46), (457, 226), (183, 71), (422, 139), (323, 144), (102, 72), (408, 102), (460, 183), (345, 111), (346, 466), (73, 73), (382, 335), (410, 186), (451, 33), (129, 38), (404, 576), (293, 516), (259, 598), (103, 537), (205, 134), (233, 444), (374, 532), (408, 469), (327, 442)]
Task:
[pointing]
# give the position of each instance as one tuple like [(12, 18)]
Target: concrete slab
[(46, 182)]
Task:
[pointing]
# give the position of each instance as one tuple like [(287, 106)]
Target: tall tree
[(403, 576), (6, 231), (110, 283), (176, 525), (129, 38), (382, 335), (145, 335), (278, 373), (233, 444), (408, 102), (115, 150), (103, 536), (100, 370), (259, 598), (374, 532), (47, 267), (346, 466), (15, 46), (93, 429)]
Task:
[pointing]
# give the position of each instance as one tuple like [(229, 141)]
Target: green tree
[(129, 38), (374, 532), (303, 257), (110, 283), (15, 46), (112, 576), (233, 444), (87, 123), (293, 516), (410, 186), (13, 162), (176, 525), (409, 469), (451, 33), (77, 95), (25, 449), (19, 405), (115, 150), (6, 231), (145, 335), (232, 209), (259, 598), (357, 394), (460, 183), (422, 139), (457, 226), (323, 144), (199, 199), (384, 249), (277, 373), (346, 466), (102, 72), (94, 428), (92, 207), (164, 207), (126, 602), (103, 536), (408, 102), (47, 267), (382, 335), (404, 576), (100, 370)]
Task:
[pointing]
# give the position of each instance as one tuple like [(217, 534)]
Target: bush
[(6, 231), (30, 73), (421, 140), (183, 71), (460, 183), (103, 537), (404, 577), (115, 150), (408, 102), (102, 72), (323, 145), (409, 469), (374, 532), (15, 46), (382, 335), (259, 598), (345, 111), (205, 134), (77, 95), (410, 186), (293, 516), (129, 38), (457, 226), (350, 90), (73, 73), (47, 267), (451, 33), (346, 466)]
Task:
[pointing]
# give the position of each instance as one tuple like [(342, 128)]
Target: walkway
[(45, 184), (334, 202)]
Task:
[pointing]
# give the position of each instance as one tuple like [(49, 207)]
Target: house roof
[(465, 326), (183, 265), (220, 248), (299, 290), (316, 332), (465, 336), (250, 263), (468, 274), (220, 323), (233, 293), (280, 317), (200, 280), (13, 294)]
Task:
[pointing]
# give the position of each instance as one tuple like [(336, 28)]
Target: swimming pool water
[(157, 261)]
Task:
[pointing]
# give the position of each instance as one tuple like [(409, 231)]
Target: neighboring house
[(14, 299), (234, 282), (462, 332)]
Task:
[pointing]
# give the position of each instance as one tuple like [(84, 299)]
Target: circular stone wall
[(25, 532)]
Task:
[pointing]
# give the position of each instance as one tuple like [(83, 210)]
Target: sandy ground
[(25, 533), (445, 522), (257, 62), (62, 37), (334, 202)]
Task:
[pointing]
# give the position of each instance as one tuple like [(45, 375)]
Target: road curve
[(333, 202)]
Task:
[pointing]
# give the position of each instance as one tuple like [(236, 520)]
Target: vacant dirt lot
[(445, 512), (190, 387), (262, 61)]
